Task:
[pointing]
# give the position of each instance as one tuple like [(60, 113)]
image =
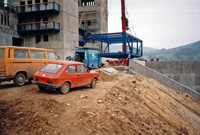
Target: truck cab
[(89, 56)]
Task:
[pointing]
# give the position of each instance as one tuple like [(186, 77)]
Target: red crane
[(124, 22)]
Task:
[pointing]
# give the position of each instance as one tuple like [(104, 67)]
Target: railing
[(39, 7), (39, 26), (7, 7)]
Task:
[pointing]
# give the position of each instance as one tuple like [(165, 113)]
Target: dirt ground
[(121, 104)]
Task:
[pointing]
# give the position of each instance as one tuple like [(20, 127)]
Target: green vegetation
[(186, 52)]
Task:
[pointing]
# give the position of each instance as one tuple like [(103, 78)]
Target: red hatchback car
[(63, 75)]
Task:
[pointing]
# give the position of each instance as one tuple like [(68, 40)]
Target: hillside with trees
[(183, 53)]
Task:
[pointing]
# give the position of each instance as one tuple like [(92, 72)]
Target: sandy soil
[(121, 104)]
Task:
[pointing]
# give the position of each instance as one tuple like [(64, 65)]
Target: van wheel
[(20, 79), (65, 88), (93, 84)]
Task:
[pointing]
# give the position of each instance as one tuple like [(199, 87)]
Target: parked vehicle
[(89, 56), (63, 75), (19, 63)]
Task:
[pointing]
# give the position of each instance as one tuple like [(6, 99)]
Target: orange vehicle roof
[(23, 47)]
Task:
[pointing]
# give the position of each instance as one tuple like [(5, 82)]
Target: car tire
[(20, 79), (93, 84), (41, 88), (65, 88)]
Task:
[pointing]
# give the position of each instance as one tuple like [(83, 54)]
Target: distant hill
[(117, 48), (186, 52)]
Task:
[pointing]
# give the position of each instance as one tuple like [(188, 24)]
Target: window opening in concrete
[(45, 19), (17, 41), (45, 0), (22, 7), (30, 2), (8, 20), (87, 2), (37, 1), (37, 19), (46, 38), (37, 38), (83, 22), (5, 19), (1, 19), (89, 23), (22, 3), (20, 20)]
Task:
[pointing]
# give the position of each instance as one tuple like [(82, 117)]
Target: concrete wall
[(7, 32), (146, 71), (184, 72), (64, 42)]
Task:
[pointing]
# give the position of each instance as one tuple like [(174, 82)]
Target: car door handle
[(79, 75)]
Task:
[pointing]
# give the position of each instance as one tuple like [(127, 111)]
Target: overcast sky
[(159, 23)]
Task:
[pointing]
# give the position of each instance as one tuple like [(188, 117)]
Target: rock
[(83, 96), (134, 82)]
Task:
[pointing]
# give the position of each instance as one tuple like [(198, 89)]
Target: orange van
[(20, 63)]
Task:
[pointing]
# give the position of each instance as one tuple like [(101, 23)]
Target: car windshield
[(2, 53), (51, 68)]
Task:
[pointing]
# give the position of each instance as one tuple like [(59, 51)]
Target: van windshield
[(2, 53), (51, 68)]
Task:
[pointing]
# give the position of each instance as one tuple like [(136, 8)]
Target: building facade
[(52, 24)]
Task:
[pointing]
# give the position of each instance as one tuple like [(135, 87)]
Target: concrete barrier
[(148, 72), (184, 72)]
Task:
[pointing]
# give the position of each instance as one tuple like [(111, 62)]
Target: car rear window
[(51, 68), (2, 53)]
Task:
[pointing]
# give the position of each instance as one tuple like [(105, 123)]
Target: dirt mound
[(105, 76), (24, 116), (121, 104)]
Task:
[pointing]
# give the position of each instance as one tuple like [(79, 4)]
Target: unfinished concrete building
[(93, 16), (8, 26), (51, 24)]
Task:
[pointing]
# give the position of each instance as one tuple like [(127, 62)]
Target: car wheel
[(41, 88), (20, 79), (93, 84), (65, 88)]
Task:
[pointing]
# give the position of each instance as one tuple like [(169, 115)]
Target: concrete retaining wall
[(184, 72), (146, 71)]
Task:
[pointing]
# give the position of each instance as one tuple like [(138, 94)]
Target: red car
[(63, 75)]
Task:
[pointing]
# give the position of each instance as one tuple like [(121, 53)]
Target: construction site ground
[(121, 104)]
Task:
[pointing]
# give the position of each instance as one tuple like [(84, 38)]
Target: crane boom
[(124, 22)]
